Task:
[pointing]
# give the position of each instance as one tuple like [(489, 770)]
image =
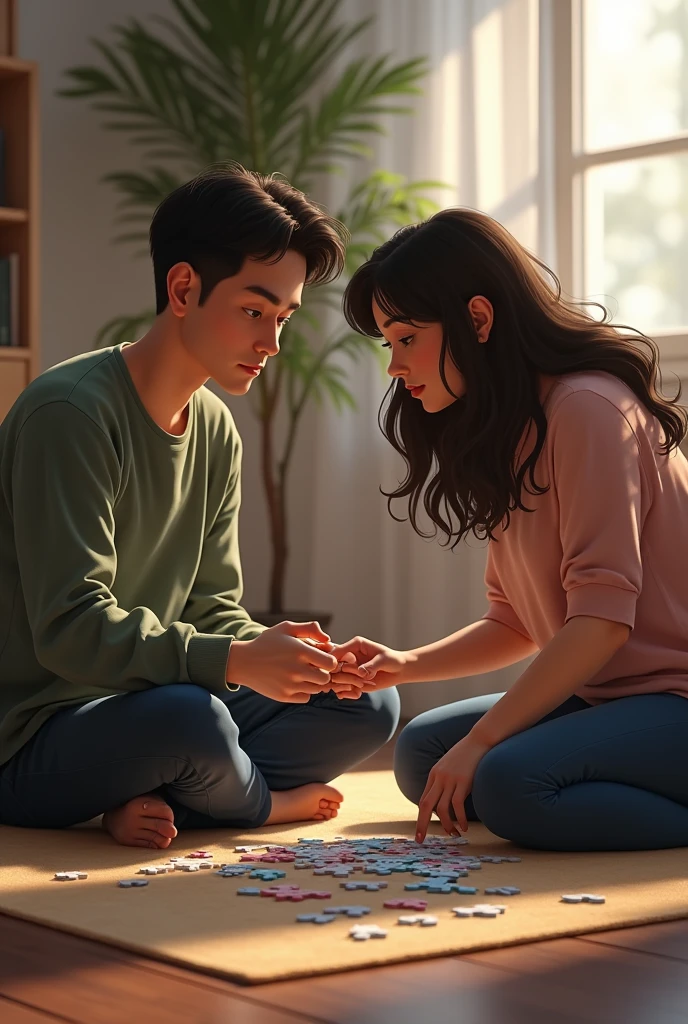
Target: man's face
[(233, 334)]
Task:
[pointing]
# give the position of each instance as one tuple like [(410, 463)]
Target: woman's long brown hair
[(462, 461)]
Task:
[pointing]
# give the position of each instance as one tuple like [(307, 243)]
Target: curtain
[(482, 127)]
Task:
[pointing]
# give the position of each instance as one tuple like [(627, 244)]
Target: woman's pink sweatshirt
[(608, 539)]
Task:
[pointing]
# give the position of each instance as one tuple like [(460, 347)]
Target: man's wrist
[(236, 674)]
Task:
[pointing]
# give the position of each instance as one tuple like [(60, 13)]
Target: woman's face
[(416, 355)]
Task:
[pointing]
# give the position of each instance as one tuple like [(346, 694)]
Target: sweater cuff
[(499, 611), (602, 602), (206, 661)]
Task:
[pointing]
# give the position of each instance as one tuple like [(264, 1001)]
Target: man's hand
[(285, 663), (448, 785)]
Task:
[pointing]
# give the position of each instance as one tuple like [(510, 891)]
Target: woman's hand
[(448, 785), (369, 665)]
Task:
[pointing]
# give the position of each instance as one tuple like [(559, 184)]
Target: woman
[(524, 420)]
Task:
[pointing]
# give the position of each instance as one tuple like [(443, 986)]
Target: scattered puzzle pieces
[(365, 886), (350, 911), (406, 904), (424, 921), (583, 897), (363, 932), (294, 894), (480, 910)]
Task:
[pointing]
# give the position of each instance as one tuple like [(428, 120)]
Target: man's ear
[(182, 283)]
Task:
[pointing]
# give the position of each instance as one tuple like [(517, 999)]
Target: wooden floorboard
[(670, 940), (91, 983), (628, 976), (15, 1013)]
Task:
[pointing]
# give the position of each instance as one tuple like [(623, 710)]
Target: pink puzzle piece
[(273, 858), (406, 904), (294, 893)]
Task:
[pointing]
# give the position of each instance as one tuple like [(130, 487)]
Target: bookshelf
[(20, 362)]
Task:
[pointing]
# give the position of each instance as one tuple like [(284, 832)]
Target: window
[(621, 127)]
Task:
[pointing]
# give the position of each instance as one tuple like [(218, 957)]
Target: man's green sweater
[(119, 555)]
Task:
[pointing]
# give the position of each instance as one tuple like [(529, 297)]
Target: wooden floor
[(632, 976)]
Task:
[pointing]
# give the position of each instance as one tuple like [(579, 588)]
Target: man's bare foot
[(312, 802), (144, 821)]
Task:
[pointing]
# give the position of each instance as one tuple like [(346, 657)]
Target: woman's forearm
[(484, 646), (576, 653)]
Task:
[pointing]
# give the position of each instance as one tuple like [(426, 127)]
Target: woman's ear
[(482, 316)]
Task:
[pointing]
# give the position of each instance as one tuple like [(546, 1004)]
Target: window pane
[(637, 240), (635, 71)]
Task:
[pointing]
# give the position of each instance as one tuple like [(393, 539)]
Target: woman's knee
[(500, 789), (415, 752)]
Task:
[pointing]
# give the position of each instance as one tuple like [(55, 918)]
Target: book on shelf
[(7, 16), (9, 299)]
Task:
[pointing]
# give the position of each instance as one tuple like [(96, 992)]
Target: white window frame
[(571, 161)]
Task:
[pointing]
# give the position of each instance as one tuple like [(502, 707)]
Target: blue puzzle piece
[(365, 886), (248, 891), (233, 870), (351, 911), (316, 918), (267, 875)]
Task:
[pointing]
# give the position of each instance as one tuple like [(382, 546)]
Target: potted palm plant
[(253, 82)]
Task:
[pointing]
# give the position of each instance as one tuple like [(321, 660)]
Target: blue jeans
[(213, 760), (613, 776)]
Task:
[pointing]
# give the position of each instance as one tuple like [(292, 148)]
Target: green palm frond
[(270, 84), (379, 203), (350, 110)]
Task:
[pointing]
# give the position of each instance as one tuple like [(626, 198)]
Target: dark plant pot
[(273, 618)]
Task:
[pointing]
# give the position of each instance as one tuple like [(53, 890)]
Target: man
[(132, 682)]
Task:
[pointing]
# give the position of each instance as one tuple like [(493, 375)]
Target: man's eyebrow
[(393, 320), (258, 289)]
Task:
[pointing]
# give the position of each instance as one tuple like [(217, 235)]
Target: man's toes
[(137, 837), (154, 807), (161, 826)]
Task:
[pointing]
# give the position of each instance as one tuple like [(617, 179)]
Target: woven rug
[(197, 920)]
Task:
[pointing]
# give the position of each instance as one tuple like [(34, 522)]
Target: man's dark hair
[(225, 214)]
